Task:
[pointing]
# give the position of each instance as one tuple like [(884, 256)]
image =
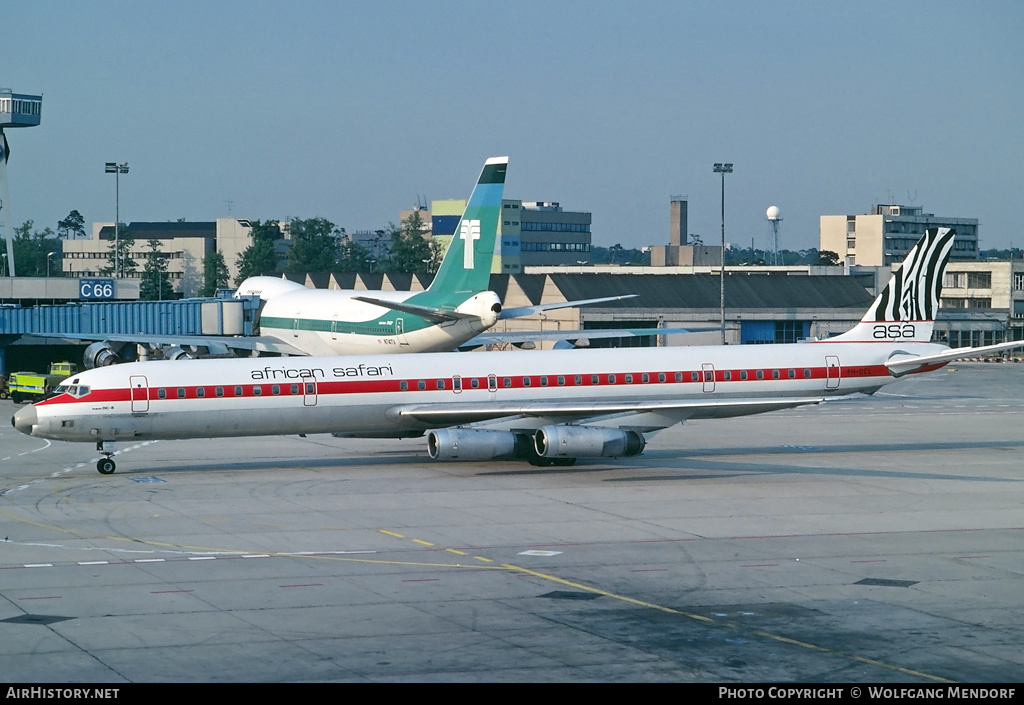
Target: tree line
[(318, 245), (314, 245)]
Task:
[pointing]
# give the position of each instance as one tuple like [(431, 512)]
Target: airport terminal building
[(884, 236), (184, 245)]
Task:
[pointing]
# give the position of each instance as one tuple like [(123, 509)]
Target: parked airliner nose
[(24, 419)]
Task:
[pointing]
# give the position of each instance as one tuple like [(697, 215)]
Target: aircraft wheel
[(106, 466)]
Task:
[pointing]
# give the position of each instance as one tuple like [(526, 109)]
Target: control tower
[(16, 110)]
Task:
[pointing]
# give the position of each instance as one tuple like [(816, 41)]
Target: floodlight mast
[(117, 169), (722, 169)]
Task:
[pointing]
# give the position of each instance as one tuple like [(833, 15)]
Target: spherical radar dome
[(773, 213)]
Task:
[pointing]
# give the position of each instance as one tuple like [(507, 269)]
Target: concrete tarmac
[(866, 540)]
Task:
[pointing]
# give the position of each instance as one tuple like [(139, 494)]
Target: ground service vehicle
[(24, 385)]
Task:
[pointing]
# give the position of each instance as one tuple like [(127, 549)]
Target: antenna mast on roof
[(774, 217)]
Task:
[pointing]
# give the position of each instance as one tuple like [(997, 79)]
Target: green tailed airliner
[(456, 308)]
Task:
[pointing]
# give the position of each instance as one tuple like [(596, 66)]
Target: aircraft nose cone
[(24, 419)]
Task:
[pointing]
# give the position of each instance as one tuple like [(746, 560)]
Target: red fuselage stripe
[(430, 384)]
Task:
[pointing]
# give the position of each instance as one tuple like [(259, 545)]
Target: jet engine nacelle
[(471, 444), (101, 354), (587, 442), (176, 352)]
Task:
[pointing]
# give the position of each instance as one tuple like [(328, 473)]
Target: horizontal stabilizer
[(434, 315), (520, 311), (901, 363)]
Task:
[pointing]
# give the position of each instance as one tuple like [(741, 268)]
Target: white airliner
[(548, 407), (454, 310)]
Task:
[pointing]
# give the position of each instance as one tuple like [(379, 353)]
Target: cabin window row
[(506, 382), (595, 380), (239, 391)]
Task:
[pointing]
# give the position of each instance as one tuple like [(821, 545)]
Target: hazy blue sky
[(350, 110)]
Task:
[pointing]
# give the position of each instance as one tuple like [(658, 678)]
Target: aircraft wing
[(900, 363), (563, 412), (578, 334), (218, 344), (435, 315), (520, 311)]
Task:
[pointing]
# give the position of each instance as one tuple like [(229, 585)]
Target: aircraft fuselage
[(387, 395), (326, 322)]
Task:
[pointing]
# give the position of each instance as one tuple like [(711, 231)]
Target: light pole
[(723, 169), (117, 169), (4, 255), (48, 256)]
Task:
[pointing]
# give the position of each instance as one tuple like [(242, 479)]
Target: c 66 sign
[(96, 289)]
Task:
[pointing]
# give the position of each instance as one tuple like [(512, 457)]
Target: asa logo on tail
[(469, 233)]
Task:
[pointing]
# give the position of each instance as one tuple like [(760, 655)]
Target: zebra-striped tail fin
[(906, 308)]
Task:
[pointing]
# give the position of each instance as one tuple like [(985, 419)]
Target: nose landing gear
[(106, 466)]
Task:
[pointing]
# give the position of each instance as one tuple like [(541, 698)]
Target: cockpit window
[(74, 390)]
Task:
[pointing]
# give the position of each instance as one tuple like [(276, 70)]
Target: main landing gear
[(105, 465)]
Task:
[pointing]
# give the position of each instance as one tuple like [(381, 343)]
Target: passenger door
[(708, 372), (833, 372), (140, 393)]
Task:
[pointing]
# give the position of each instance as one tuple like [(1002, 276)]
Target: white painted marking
[(325, 553), (202, 558), (93, 562), (542, 554), (256, 555), (39, 565), (469, 232), (150, 560)]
